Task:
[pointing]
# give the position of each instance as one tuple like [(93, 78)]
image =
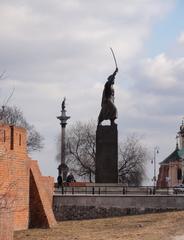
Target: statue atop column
[(108, 109), (63, 168), (63, 104)]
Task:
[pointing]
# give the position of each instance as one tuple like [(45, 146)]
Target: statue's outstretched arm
[(115, 72)]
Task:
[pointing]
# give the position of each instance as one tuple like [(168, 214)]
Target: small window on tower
[(179, 174), (20, 139), (11, 137), (4, 136)]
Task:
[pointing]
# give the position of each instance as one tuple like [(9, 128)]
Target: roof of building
[(181, 153), (177, 155)]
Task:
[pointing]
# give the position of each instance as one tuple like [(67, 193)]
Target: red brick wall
[(15, 177), (37, 216), (43, 195), (48, 183), (16, 185), (163, 173), (6, 225), (169, 170)]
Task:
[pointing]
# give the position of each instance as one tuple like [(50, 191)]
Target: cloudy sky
[(51, 49)]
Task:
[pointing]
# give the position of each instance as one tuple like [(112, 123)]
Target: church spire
[(181, 135)]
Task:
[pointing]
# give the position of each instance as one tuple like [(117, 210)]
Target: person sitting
[(70, 178)]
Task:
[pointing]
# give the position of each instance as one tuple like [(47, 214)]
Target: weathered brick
[(16, 181)]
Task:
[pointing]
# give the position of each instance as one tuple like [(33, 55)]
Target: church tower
[(181, 136), (171, 171)]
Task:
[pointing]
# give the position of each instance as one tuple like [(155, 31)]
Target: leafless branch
[(81, 153), (14, 116), (2, 75), (9, 97)]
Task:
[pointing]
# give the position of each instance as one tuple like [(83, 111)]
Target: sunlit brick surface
[(16, 172)]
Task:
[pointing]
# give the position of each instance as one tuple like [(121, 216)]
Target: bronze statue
[(63, 104), (108, 110)]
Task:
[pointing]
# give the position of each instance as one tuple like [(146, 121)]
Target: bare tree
[(6, 213), (132, 158), (81, 151), (7, 196), (14, 116)]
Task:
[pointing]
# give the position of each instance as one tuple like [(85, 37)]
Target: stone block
[(106, 154)]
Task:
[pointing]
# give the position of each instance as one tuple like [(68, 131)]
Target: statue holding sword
[(108, 109)]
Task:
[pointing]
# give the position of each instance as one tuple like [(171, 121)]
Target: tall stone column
[(63, 168)]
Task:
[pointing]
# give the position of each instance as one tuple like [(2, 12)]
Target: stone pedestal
[(106, 154)]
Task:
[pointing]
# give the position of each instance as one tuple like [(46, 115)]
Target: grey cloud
[(161, 75), (52, 49), (60, 30)]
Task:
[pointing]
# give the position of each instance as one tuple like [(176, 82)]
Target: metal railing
[(112, 190)]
